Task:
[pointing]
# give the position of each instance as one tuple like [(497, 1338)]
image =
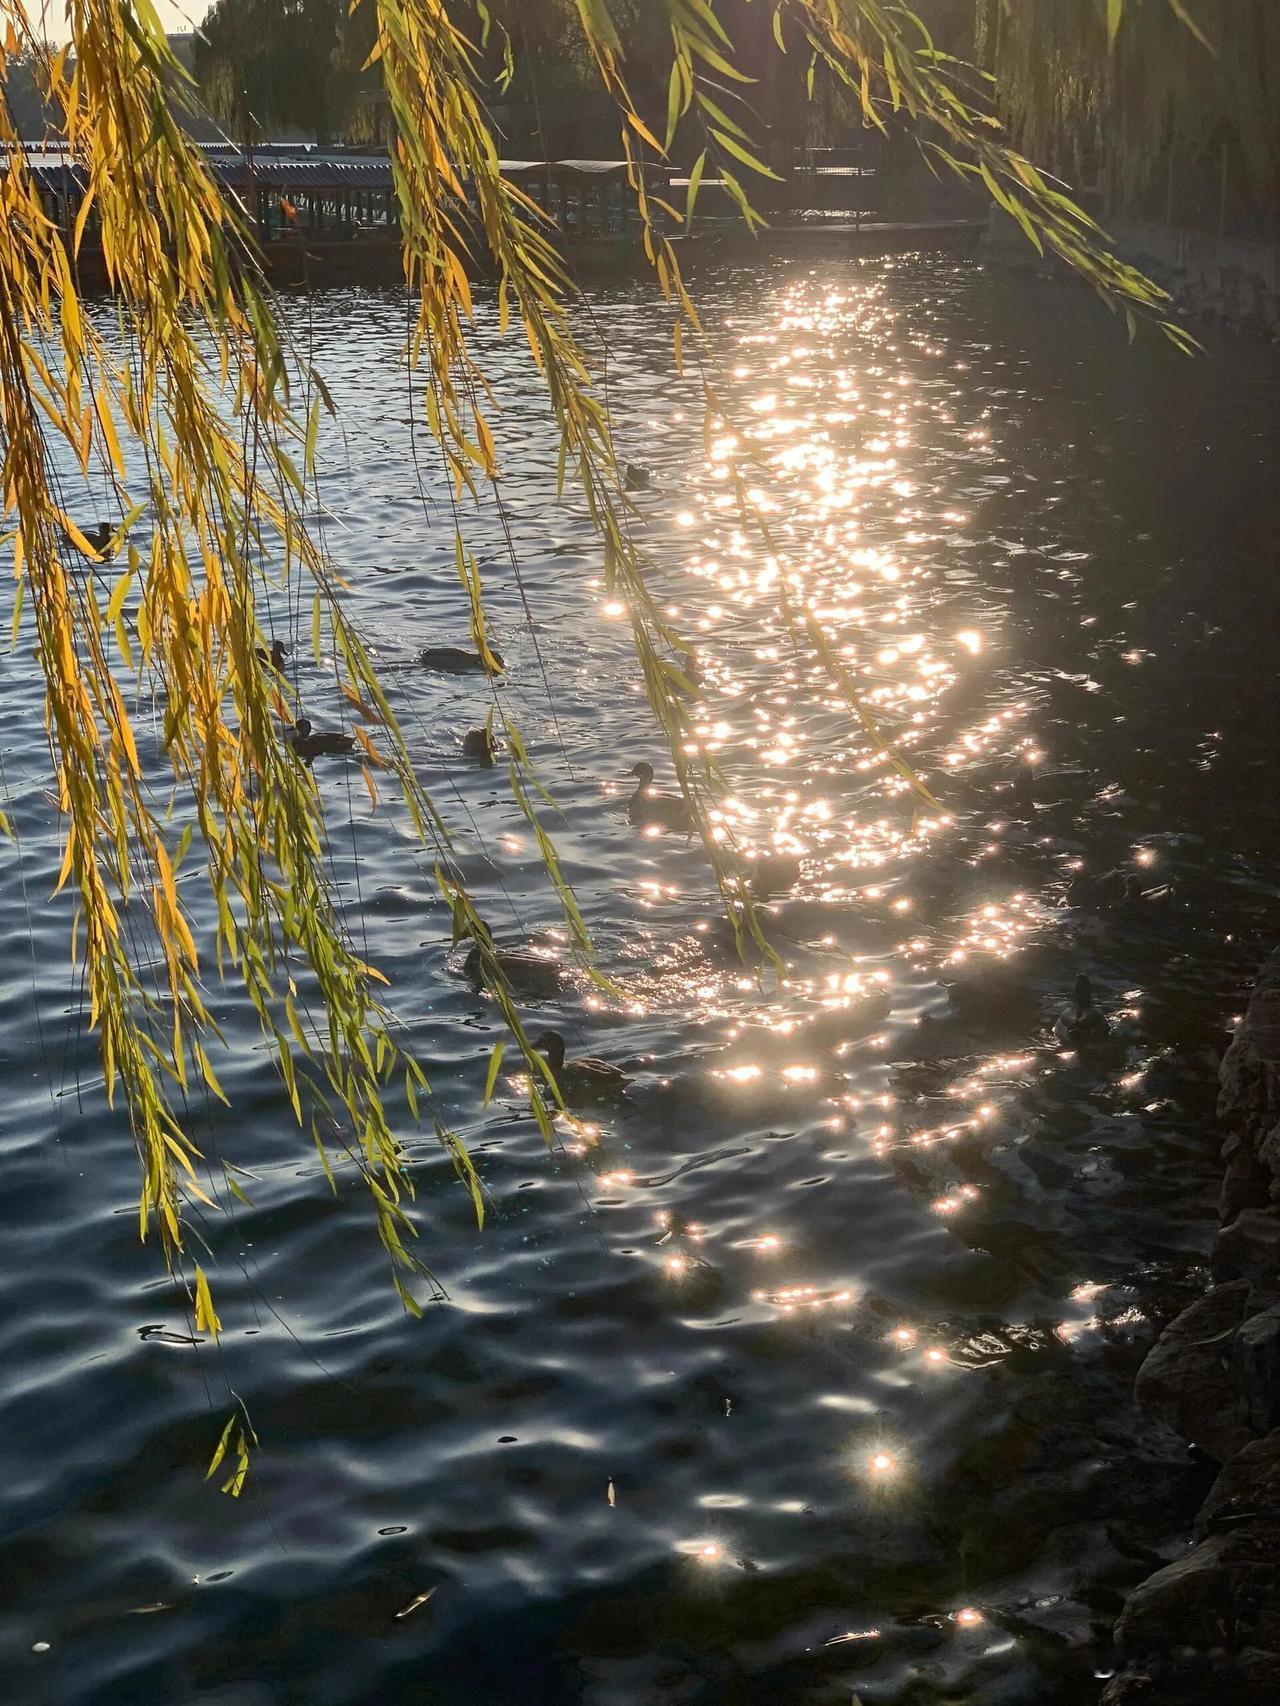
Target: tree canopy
[(267, 66)]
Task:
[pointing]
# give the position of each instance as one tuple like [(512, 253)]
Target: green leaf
[(491, 1077), (740, 153), (695, 178)]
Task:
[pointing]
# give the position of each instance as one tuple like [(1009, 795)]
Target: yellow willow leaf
[(102, 407), (82, 217), (165, 870), (220, 1450), (642, 129), (375, 757), (206, 1315), (76, 537), (370, 785), (365, 710), (458, 277), (67, 856), (85, 448), (210, 1076)]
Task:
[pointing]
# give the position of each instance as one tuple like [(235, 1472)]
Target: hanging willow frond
[(189, 405)]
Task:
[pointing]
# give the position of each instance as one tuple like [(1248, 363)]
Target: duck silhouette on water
[(526, 972), (585, 1079), (99, 537), (275, 657), (650, 809), (1080, 1022), (311, 743), (461, 660), (478, 744)]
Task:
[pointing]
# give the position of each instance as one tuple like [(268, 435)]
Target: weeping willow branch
[(188, 406)]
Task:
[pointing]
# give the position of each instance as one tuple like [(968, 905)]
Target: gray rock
[(1185, 1379), (1250, 1248), (1248, 1487), (1249, 1096), (1255, 1368), (1221, 1595), (1245, 1184)]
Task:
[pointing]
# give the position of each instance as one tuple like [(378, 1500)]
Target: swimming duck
[(1081, 1022), (100, 538), (637, 477), (478, 744), (648, 809), (526, 972), (457, 660), (309, 743), (275, 657), (776, 873), (582, 1080)]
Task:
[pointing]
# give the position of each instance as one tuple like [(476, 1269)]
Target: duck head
[(1082, 993), (643, 774), (302, 727), (550, 1045)]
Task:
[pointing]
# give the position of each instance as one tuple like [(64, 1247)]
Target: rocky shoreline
[(1213, 281), (1206, 1627)]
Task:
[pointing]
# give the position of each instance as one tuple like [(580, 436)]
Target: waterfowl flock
[(998, 999)]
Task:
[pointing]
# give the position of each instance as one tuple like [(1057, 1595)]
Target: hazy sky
[(175, 15)]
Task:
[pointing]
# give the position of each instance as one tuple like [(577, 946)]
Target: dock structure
[(332, 214), (292, 190)]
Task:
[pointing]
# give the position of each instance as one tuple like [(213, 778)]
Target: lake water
[(803, 1375)]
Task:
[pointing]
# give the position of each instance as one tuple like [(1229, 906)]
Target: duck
[(647, 809), (583, 1080), (774, 874), (478, 744), (637, 477), (458, 660), (1080, 1022), (310, 743), (100, 538), (275, 657), (526, 972)]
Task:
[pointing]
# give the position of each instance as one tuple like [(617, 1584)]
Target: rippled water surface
[(803, 1374)]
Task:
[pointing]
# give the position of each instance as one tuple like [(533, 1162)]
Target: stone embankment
[(1214, 281), (1206, 1628)]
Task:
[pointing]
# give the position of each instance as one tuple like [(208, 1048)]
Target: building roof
[(302, 167)]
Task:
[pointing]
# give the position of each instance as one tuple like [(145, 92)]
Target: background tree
[(266, 66)]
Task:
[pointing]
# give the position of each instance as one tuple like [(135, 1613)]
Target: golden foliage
[(205, 424)]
